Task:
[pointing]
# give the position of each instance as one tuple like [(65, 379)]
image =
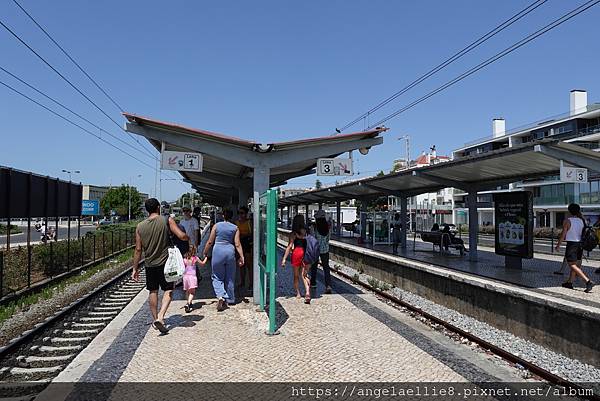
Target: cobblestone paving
[(346, 336)]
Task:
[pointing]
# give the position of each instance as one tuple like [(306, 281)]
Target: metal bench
[(437, 238)]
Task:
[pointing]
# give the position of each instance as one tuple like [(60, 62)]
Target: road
[(21, 238)]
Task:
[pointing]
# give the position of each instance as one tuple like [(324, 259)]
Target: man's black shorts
[(155, 277), (574, 251)]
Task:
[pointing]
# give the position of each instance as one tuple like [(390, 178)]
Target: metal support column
[(363, 219), (338, 217), (306, 213), (320, 205), (473, 225), (244, 193), (403, 221), (261, 184)]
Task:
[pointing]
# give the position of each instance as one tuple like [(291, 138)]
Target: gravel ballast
[(28, 317), (558, 364)]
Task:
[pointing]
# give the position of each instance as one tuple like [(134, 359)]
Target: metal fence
[(23, 266), (27, 255)]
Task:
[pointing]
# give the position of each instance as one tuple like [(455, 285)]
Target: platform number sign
[(573, 174), (325, 167), (332, 167), (181, 161)]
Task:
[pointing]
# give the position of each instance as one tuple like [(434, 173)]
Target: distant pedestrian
[(323, 235), (152, 238), (244, 226), (197, 214), (190, 281), (297, 247), (224, 241), (191, 226), (396, 232), (573, 227)]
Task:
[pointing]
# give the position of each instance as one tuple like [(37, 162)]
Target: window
[(560, 218), (585, 193), (595, 192), (563, 129)]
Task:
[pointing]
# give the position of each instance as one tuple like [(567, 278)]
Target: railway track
[(29, 363), (537, 370)]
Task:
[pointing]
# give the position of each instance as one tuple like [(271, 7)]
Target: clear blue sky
[(273, 70)]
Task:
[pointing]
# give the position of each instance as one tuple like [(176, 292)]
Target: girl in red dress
[(297, 247)]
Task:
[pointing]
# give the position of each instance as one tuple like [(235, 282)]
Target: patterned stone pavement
[(345, 336)]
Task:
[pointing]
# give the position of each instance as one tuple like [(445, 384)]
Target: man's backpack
[(312, 251), (589, 239)]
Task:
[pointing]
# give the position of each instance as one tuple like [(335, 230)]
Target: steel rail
[(16, 342)]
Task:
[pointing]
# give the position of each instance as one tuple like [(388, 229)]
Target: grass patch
[(13, 229), (119, 226), (22, 303)]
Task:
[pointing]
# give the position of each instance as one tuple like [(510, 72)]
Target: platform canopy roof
[(473, 173), (229, 162)]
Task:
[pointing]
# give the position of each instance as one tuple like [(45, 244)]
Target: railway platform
[(539, 273), (347, 336), (529, 303)]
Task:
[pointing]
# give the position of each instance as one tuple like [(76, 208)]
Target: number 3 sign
[(331, 167)]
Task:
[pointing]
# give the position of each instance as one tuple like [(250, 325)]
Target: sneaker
[(188, 308), (567, 285), (588, 286), (328, 289), (221, 305)]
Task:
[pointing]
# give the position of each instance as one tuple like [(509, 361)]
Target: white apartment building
[(581, 126)]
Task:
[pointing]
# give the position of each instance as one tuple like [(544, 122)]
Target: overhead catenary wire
[(9, 30), (557, 22), (73, 123), (71, 111), (68, 56), (448, 61)]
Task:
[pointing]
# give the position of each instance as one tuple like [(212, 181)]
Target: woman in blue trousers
[(225, 242)]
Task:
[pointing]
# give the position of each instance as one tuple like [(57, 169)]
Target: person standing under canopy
[(224, 241)]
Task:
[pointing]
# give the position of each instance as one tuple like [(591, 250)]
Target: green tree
[(117, 199), (372, 204), (318, 184), (380, 173), (184, 200)]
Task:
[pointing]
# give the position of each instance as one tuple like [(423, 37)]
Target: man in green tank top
[(152, 236)]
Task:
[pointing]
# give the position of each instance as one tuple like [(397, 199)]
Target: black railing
[(24, 266)]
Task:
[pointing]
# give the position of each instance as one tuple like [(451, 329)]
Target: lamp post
[(129, 203), (71, 172)]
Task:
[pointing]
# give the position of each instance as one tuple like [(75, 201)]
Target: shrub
[(53, 258), (13, 229)]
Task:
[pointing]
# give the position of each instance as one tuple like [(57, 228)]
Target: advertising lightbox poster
[(513, 213)]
